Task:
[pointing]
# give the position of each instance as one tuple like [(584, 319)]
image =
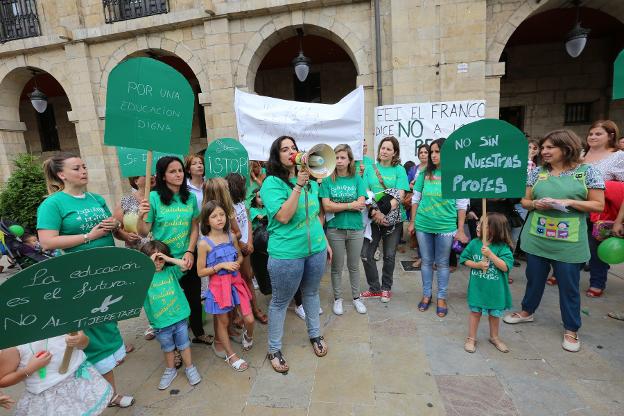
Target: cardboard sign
[(421, 123), (485, 159), (618, 77), (149, 105), (73, 292), (225, 156), (260, 120), (132, 161)]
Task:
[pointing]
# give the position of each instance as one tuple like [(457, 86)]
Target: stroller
[(19, 253)]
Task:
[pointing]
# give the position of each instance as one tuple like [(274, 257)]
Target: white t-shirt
[(199, 193), (242, 221), (56, 347)]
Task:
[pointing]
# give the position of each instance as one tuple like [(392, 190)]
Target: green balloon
[(611, 250), (16, 230)]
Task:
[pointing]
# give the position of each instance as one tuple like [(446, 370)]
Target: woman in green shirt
[(559, 195), (172, 216), (297, 246), (386, 174), (71, 219), (343, 195)]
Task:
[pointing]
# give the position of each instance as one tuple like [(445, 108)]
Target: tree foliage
[(23, 192)]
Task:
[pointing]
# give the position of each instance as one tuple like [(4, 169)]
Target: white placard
[(261, 120), (418, 123)]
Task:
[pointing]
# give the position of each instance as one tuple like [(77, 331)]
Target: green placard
[(485, 159), (73, 292), (132, 161), (618, 77), (225, 156), (149, 105)]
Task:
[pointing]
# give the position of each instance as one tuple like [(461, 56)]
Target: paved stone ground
[(398, 361)]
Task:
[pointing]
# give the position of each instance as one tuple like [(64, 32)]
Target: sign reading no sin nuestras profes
[(73, 292), (225, 156), (132, 162), (149, 105), (485, 159)]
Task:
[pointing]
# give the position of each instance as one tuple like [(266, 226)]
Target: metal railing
[(118, 10), (18, 19)]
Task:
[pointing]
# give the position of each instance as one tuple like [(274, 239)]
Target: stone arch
[(277, 29), (14, 75), (496, 44), (153, 43)]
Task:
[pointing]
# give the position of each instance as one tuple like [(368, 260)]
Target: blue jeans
[(598, 269), (568, 277), (286, 277), (390, 242), (174, 336), (434, 248)]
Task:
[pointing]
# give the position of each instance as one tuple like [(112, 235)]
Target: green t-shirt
[(172, 223), (393, 177), (435, 215), (490, 289), (290, 241), (344, 189), (368, 162), (70, 215), (252, 186), (254, 212), (165, 303)]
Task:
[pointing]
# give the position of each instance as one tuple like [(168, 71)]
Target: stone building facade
[(224, 43)]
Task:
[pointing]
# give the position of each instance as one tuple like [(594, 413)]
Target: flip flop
[(121, 401), (594, 293), (423, 306), (129, 348)]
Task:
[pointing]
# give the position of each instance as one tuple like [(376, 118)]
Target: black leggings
[(191, 285)]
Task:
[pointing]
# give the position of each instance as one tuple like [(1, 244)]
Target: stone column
[(12, 143), (493, 73)]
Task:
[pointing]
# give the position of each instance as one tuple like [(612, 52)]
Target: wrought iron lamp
[(301, 63), (576, 39)]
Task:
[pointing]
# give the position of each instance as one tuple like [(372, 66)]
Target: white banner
[(261, 120), (418, 123)]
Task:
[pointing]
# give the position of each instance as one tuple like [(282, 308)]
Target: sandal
[(319, 345), (129, 348), (470, 345), (177, 359), (423, 306), (203, 339), (500, 345), (149, 334), (441, 311), (246, 341), (261, 316), (280, 366), (551, 281), (121, 401), (238, 365), (416, 264), (594, 293)]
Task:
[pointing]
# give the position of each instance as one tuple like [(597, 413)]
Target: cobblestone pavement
[(398, 361)]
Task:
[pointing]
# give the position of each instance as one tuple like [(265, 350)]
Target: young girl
[(488, 290), (236, 185), (79, 391), (220, 258), (257, 212), (168, 310)]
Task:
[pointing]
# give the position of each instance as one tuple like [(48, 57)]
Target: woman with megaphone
[(297, 245)]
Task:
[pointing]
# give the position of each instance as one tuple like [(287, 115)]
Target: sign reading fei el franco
[(132, 162), (225, 156), (73, 292), (484, 159), (149, 105)]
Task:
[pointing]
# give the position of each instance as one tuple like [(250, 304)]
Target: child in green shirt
[(488, 289)]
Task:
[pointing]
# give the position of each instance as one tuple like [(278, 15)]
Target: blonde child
[(219, 257), (167, 310), (488, 290), (79, 391)]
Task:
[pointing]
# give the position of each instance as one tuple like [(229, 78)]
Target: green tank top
[(556, 235)]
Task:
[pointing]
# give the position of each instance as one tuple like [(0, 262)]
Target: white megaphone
[(320, 160)]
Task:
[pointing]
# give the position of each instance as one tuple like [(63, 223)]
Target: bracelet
[(27, 375), (300, 186), (189, 251), (348, 205), (533, 204), (86, 238), (297, 190)]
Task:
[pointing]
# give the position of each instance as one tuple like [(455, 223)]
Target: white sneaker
[(338, 310), (359, 305), (300, 312)]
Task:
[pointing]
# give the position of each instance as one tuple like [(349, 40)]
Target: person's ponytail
[(51, 167)]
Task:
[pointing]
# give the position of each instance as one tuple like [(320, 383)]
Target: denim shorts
[(106, 365), (174, 336)]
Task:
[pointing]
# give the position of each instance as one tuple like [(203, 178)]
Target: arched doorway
[(332, 72), (198, 133), (544, 88), (50, 131)]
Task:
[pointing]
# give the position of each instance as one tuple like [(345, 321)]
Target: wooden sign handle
[(67, 357), (148, 176), (484, 225)]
